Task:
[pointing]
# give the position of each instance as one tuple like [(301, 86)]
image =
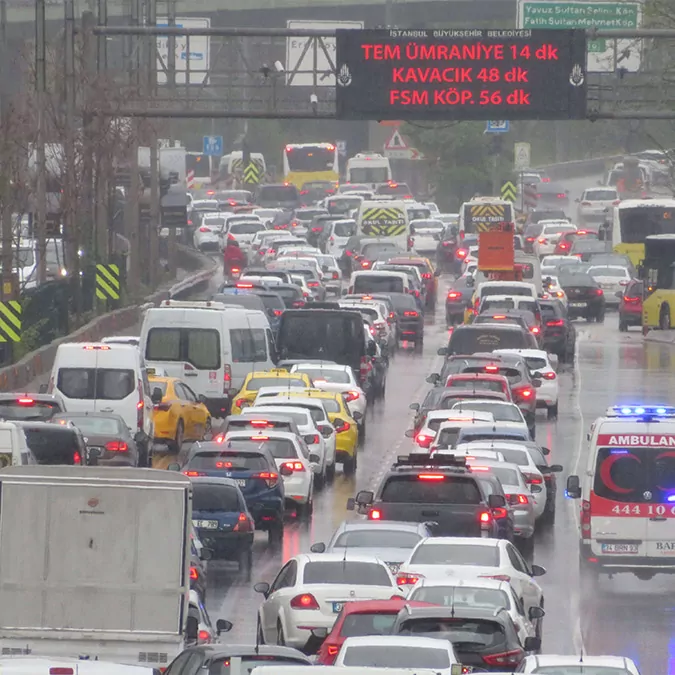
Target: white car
[(596, 205), (570, 664), (612, 279), (266, 215), (266, 280), (231, 220), (332, 273), (288, 450), (435, 418), (470, 557), (319, 415), (540, 361), (207, 235), (515, 453), (308, 430), (425, 234), (397, 651), (262, 239), (243, 232), (310, 591), (491, 593), (550, 233), (376, 311), (550, 264), (338, 235), (334, 377), (502, 411)]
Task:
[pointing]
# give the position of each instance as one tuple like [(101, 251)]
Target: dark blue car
[(254, 472), (222, 519), (273, 303)]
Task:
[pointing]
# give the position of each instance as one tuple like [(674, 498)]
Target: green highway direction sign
[(604, 55)]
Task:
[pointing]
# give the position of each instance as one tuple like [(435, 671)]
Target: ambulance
[(627, 494)]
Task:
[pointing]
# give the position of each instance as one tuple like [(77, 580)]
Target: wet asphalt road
[(623, 615)]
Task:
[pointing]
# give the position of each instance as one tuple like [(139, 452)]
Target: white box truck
[(94, 563)]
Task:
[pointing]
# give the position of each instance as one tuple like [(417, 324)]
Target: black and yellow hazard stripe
[(10, 321), (382, 213), (253, 173), (387, 229), (486, 210), (107, 282)]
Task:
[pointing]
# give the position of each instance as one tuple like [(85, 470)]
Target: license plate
[(337, 607), (621, 549), (206, 524), (241, 482), (578, 304)]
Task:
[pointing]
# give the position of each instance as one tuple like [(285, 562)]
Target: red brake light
[(242, 284), (461, 253), (426, 275), (430, 476), (535, 329), (304, 601), (499, 316), (278, 312), (77, 458), (332, 650), (499, 513), (630, 299), (351, 396), (25, 401), (375, 514), (270, 478), (511, 658), (294, 466), (532, 479), (526, 393), (313, 284), (405, 579), (192, 474), (243, 524), (556, 322), (454, 295), (549, 375), (423, 440), (491, 369), (260, 424), (599, 291), (543, 241), (561, 195), (522, 499), (345, 426), (204, 229), (194, 573), (204, 636), (410, 314), (485, 517), (117, 446)]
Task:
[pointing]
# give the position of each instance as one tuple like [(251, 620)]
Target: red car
[(486, 381), (366, 617), (567, 238), (630, 307)]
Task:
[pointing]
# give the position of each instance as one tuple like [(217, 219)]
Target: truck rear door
[(454, 502)]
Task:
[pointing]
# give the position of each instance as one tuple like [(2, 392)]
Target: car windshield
[(349, 572), (462, 596), (396, 656), (357, 624), (500, 303), (617, 272), (600, 195), (501, 412), (557, 229), (28, 409), (246, 227), (215, 460), (343, 204), (97, 426), (344, 228), (475, 383), (377, 538), (207, 497), (318, 375), (413, 490), (301, 419)]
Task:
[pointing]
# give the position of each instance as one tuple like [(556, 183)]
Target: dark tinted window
[(640, 222), (311, 158), (462, 596), (374, 283), (486, 339), (367, 624), (28, 409), (257, 382), (348, 572), (54, 446), (199, 347), (278, 193), (98, 425), (215, 498), (411, 489), (248, 345), (403, 302), (393, 656), (576, 280), (330, 336), (393, 189), (272, 301), (245, 423), (475, 633), (96, 383), (345, 228), (228, 461)]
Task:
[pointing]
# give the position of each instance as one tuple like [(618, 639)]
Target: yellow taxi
[(346, 432), (278, 377), (180, 415)]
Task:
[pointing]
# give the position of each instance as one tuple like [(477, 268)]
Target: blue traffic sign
[(497, 127), (213, 145)]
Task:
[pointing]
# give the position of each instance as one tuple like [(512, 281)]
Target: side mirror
[(203, 399), (538, 571), (223, 626), (546, 451), (409, 433), (434, 378), (437, 273), (532, 644), (555, 468), (43, 389), (536, 383), (497, 502), (206, 554), (314, 458), (414, 406), (156, 396), (262, 587), (285, 470), (573, 490), (536, 613), (364, 497), (443, 351), (319, 547), (192, 629), (351, 504), (327, 430), (173, 467), (371, 350), (356, 416), (338, 422)]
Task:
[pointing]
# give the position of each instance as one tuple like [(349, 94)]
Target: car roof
[(347, 556), (321, 365), (540, 353), (234, 434), (396, 641), (221, 650), (437, 611), (254, 411), (267, 406), (479, 327), (574, 660), (458, 582)]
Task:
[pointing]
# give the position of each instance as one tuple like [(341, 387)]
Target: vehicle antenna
[(258, 630), (452, 603)]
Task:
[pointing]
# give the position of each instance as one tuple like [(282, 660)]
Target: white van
[(43, 665), (378, 281), (14, 450), (106, 378), (210, 345)]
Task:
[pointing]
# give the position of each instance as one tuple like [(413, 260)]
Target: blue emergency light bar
[(641, 410)]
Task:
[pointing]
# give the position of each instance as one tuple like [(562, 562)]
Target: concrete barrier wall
[(39, 362)]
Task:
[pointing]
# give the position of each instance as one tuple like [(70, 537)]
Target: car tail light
[(497, 577), (412, 314), (430, 476), (491, 369), (77, 458), (406, 579), (585, 519), (526, 393), (423, 440), (426, 275), (194, 573), (313, 284), (530, 239), (556, 322), (270, 478), (204, 636), (599, 291), (332, 650), (295, 466), (316, 229), (374, 514), (204, 229), (336, 275), (345, 426), (304, 601), (549, 375), (535, 330), (25, 401), (278, 312), (193, 474), (561, 195), (227, 378), (461, 253), (244, 524), (515, 500), (140, 406), (298, 303), (585, 204), (563, 245), (117, 446), (312, 439), (543, 241), (499, 513), (454, 295), (510, 658), (448, 243), (365, 263), (629, 299), (351, 396), (163, 407), (348, 253), (532, 478)]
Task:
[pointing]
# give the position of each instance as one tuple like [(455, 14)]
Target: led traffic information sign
[(472, 74)]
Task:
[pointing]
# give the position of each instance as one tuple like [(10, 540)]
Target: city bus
[(658, 276), (636, 219), (307, 162)]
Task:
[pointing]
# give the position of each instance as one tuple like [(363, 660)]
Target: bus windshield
[(308, 158), (641, 221)]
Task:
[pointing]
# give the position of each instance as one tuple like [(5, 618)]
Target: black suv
[(419, 488), (584, 295), (483, 638)]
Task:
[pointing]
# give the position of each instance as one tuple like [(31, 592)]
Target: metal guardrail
[(581, 167)]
